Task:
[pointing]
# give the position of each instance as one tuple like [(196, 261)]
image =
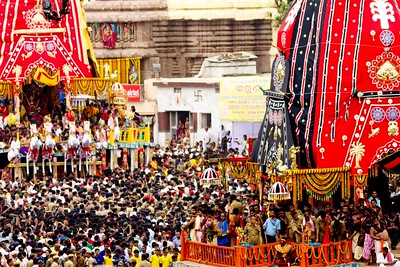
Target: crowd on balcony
[(135, 217)]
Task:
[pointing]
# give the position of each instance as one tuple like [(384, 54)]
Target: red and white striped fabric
[(209, 177)]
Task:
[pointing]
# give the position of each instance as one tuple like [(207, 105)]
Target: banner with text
[(133, 92), (241, 98)]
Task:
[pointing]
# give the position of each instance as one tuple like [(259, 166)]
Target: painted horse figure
[(86, 149), (48, 146), (72, 146), (33, 150)]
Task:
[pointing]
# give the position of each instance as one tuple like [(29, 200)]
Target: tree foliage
[(283, 7)]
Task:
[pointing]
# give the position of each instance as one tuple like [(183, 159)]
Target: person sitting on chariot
[(284, 253)]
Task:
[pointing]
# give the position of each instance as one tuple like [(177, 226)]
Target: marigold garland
[(241, 169), (321, 183), (5, 89), (102, 86), (360, 180), (238, 170), (82, 85), (253, 173), (89, 86), (222, 167), (16, 89)]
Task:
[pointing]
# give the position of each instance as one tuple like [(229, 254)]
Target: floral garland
[(238, 170), (345, 186), (321, 183), (253, 174), (101, 86), (82, 86), (5, 89), (89, 86), (360, 180), (17, 89), (297, 190), (224, 181)]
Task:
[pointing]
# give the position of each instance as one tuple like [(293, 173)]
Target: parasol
[(209, 177), (278, 191)]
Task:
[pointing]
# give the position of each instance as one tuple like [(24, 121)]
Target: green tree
[(283, 7)]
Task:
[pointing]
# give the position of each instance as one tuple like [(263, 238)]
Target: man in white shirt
[(386, 258), (222, 139), (207, 139), (245, 146)]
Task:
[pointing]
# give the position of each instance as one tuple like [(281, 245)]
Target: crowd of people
[(135, 217)]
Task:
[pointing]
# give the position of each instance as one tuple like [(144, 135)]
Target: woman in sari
[(108, 36), (180, 132)]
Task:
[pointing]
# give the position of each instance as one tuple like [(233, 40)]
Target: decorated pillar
[(112, 159), (132, 154), (141, 157), (55, 165), (147, 155), (17, 89), (68, 92), (116, 153), (17, 104), (125, 159), (261, 184), (104, 159), (94, 160), (16, 170), (136, 158)]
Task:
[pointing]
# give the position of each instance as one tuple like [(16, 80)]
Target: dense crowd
[(135, 217)]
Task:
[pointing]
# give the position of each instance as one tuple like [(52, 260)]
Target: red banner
[(133, 92)]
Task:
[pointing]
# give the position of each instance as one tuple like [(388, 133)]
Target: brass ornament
[(39, 47), (393, 128), (278, 73), (384, 71), (357, 150), (387, 71), (293, 156), (374, 131)]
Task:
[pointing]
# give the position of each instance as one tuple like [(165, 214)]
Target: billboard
[(241, 99), (133, 92)]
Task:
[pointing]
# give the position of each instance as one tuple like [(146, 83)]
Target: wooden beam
[(36, 31)]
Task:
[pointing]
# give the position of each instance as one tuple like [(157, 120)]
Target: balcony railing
[(124, 31), (263, 255)]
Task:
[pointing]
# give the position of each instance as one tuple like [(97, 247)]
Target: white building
[(233, 99)]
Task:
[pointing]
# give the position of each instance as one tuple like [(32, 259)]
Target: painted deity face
[(120, 101)]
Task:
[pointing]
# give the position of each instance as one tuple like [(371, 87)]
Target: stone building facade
[(179, 35)]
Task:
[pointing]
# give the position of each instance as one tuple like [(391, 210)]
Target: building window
[(177, 121), (177, 90), (205, 120)]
